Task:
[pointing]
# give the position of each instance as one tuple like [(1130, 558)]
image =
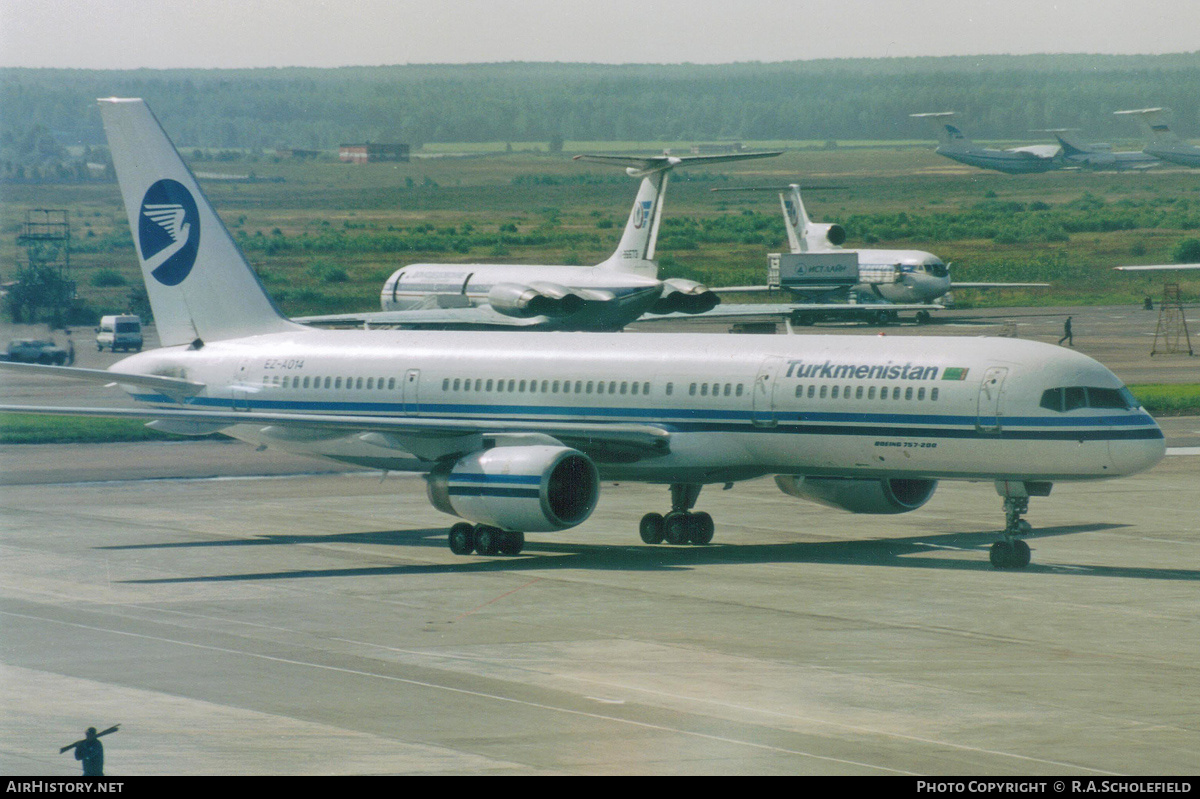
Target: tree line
[(999, 97)]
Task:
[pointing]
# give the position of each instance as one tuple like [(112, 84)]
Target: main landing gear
[(1010, 552), (485, 539), (681, 525)]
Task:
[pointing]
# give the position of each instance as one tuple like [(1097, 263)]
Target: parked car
[(33, 350)]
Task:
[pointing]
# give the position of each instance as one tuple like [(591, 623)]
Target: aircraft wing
[(787, 309), (655, 162), (1156, 267), (605, 442), (172, 386), (957, 285), (437, 318)]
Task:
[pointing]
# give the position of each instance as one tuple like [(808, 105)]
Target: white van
[(119, 333)]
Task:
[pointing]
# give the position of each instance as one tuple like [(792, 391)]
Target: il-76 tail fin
[(1154, 122), (635, 252), (198, 281)]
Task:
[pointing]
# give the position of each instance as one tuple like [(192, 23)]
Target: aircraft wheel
[(487, 539), (1020, 554), (462, 539), (923, 318), (651, 528), (1001, 554), (676, 528), (512, 542), (1010, 554), (702, 528)]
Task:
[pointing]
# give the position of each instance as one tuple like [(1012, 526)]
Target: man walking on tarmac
[(1067, 337), (91, 752)]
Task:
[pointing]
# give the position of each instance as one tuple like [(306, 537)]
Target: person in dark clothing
[(91, 752), (1067, 336)]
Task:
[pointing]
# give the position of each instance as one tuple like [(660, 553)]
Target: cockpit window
[(937, 269), (1071, 397)]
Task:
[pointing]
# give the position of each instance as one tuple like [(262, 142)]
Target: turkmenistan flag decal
[(955, 373)]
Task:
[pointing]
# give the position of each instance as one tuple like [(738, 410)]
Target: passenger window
[(624, 386), (738, 391), (728, 388), (933, 394), (834, 393), (823, 391), (921, 393), (391, 383), (810, 390), (908, 393), (692, 390), (704, 389), (858, 392), (670, 389), (370, 382), (646, 387), (871, 393), (488, 387)]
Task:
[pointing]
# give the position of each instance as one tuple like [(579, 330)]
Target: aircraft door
[(240, 387), (412, 382), (763, 394), (988, 416)]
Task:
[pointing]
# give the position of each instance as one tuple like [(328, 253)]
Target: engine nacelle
[(532, 489), (534, 299), (889, 495), (820, 235), (685, 296)]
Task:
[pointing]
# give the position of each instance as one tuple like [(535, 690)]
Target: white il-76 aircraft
[(953, 144), (515, 431), (889, 281), (604, 297), (1164, 142)]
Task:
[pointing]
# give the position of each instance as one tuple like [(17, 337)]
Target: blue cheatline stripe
[(1097, 428), (533, 479)]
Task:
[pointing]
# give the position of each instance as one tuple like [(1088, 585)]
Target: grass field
[(326, 237)]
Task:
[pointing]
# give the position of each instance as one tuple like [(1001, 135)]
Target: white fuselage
[(736, 407), (619, 296), (902, 276)]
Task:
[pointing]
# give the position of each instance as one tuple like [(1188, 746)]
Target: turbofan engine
[(685, 296), (819, 235), (534, 299), (533, 489), (889, 495)]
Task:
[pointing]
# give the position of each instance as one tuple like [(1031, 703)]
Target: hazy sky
[(125, 34)]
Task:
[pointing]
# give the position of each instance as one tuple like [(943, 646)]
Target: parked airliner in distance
[(1097, 156), (889, 281), (516, 430), (953, 144), (604, 297), (1164, 143)]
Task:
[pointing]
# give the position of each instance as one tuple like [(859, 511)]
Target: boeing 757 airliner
[(515, 431)]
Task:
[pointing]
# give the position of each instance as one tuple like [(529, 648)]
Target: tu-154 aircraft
[(1164, 143), (604, 297), (953, 144), (515, 430), (889, 281)]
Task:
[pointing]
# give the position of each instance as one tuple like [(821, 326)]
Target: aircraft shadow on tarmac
[(910, 552)]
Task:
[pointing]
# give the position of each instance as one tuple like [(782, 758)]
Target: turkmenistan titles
[(831, 370)]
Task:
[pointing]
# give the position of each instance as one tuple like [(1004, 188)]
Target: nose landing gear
[(1010, 552)]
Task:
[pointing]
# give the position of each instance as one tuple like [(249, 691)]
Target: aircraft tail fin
[(948, 134), (635, 251), (199, 283), (1154, 122)]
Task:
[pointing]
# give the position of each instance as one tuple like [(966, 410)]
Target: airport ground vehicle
[(122, 332), (32, 350)]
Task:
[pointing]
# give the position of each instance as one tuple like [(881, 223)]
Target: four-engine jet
[(953, 144), (1164, 143), (516, 430), (604, 297)]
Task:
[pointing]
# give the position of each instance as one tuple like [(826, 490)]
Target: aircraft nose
[(1133, 455)]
